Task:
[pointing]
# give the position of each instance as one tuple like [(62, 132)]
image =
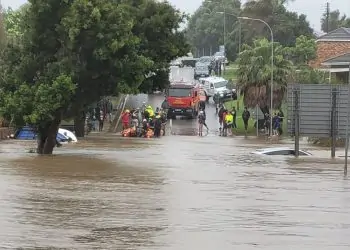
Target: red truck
[(183, 99)]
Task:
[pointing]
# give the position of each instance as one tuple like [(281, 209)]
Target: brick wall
[(327, 50)]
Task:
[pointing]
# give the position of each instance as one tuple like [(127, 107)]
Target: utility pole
[(327, 17)]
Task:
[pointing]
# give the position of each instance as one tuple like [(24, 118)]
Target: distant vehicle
[(28, 133), (189, 62), (203, 67), (183, 99), (178, 62), (220, 56), (69, 134), (281, 151), (214, 85)]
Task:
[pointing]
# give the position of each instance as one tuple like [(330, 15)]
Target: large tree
[(205, 30), (73, 53), (254, 74), (286, 25), (205, 27)]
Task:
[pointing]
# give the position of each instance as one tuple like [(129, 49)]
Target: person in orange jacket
[(126, 119)]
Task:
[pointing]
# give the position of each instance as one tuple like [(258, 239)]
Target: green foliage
[(205, 28), (254, 73), (335, 21), (308, 75), (71, 53), (303, 51), (286, 25), (14, 21), (105, 47), (38, 103)]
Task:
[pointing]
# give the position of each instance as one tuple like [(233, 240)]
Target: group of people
[(227, 120), (143, 122), (277, 121)]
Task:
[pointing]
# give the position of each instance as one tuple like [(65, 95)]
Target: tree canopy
[(254, 73), (205, 28), (74, 52)]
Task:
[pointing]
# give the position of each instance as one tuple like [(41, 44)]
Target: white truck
[(214, 85)]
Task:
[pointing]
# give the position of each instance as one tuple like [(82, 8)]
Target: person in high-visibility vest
[(149, 113), (229, 122)]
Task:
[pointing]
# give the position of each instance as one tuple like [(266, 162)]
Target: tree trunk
[(47, 137), (79, 125)]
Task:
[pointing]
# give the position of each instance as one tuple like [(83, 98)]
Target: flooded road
[(172, 193)]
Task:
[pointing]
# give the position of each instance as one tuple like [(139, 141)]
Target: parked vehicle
[(220, 56), (189, 62), (217, 86), (281, 151), (203, 67), (28, 133), (177, 62), (183, 99)]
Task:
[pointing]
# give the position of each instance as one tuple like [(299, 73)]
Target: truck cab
[(183, 99)]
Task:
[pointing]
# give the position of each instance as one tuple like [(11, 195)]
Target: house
[(333, 54)]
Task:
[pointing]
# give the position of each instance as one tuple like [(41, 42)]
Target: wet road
[(177, 192)]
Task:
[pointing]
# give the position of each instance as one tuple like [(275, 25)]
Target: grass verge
[(230, 73), (239, 105)]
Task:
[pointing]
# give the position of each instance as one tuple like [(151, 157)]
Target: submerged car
[(281, 151)]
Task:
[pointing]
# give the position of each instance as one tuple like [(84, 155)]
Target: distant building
[(333, 54)]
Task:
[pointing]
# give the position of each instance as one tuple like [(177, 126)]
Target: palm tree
[(254, 74)]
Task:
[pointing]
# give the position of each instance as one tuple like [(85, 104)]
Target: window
[(174, 92), (281, 152), (204, 59), (220, 84)]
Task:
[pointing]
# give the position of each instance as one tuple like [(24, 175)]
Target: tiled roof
[(338, 35), (343, 59)]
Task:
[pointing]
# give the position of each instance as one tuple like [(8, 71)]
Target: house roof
[(338, 35), (341, 60)]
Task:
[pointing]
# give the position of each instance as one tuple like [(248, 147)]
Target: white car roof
[(213, 79), (269, 150)]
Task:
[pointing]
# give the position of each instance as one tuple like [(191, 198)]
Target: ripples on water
[(173, 193)]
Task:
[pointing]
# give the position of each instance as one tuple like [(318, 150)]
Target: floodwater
[(177, 192)]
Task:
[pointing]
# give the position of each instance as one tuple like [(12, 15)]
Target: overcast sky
[(312, 8)]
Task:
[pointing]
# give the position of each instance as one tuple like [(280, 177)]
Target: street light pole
[(272, 64), (240, 29)]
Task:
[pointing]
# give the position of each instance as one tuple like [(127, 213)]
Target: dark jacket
[(245, 115)]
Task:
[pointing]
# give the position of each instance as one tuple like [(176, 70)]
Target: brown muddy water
[(172, 193), (178, 192)]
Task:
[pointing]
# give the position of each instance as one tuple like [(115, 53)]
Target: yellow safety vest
[(229, 118), (150, 112)]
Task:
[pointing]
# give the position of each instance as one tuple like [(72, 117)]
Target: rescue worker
[(149, 113), (126, 119), (144, 127), (157, 126), (229, 121)]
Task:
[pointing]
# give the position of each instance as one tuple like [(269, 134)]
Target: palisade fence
[(317, 110)]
